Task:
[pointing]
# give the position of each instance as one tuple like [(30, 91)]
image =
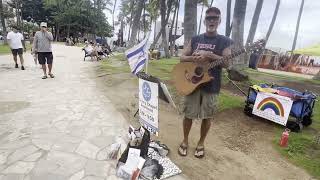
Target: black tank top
[(215, 44)]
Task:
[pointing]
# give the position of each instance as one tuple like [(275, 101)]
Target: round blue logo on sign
[(146, 91)]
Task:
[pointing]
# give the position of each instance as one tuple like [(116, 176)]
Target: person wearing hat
[(42, 46), (16, 43)]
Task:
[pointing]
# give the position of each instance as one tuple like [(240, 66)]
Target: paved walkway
[(306, 76), (55, 129)]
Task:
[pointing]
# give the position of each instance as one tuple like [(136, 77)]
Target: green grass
[(302, 150), (5, 49), (228, 101)]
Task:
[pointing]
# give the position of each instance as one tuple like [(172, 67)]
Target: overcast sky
[(284, 28)]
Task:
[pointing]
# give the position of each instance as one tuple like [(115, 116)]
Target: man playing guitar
[(202, 103)]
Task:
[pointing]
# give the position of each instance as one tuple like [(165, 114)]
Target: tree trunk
[(176, 26), (254, 22), (136, 23), (57, 33), (171, 29), (155, 27), (274, 17), (297, 27), (238, 25), (190, 20), (121, 31), (114, 7), (130, 23), (201, 17), (211, 3), (162, 28), (228, 25), (3, 23), (163, 25), (68, 30)]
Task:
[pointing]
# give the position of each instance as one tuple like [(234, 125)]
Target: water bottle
[(284, 138)]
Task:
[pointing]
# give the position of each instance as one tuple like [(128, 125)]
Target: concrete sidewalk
[(55, 129)]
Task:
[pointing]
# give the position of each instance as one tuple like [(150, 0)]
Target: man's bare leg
[(50, 68), (44, 68), (21, 59), (205, 127), (15, 60), (187, 124)]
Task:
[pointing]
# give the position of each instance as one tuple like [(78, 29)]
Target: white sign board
[(148, 105), (272, 107)]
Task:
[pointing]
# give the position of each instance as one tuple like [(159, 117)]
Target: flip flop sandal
[(44, 77), (51, 75), (199, 153), (183, 150)]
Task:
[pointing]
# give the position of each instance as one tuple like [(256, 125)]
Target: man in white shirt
[(16, 43)]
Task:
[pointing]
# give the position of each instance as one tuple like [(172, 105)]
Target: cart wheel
[(307, 121), (248, 110), (293, 126)]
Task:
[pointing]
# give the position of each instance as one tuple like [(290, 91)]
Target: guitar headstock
[(256, 46)]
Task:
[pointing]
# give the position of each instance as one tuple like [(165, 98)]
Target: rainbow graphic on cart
[(273, 104)]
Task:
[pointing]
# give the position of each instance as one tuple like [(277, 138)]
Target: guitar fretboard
[(227, 58)]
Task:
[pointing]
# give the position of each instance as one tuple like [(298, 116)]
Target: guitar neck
[(226, 58)]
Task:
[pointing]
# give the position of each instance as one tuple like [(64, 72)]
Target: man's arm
[(187, 54), (49, 36), (226, 52)]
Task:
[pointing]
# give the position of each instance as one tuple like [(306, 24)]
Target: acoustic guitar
[(187, 76)]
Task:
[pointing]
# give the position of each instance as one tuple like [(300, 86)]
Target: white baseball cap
[(43, 24)]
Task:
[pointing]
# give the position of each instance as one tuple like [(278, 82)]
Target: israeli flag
[(138, 56)]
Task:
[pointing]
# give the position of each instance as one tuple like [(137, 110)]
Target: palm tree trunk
[(163, 25), (211, 3), (114, 7), (201, 17), (136, 23), (155, 27), (162, 28), (238, 25), (297, 27), (190, 20), (171, 29), (274, 17), (3, 23), (254, 22), (130, 24), (176, 26), (228, 25)]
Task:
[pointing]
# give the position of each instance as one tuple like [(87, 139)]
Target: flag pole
[(147, 49)]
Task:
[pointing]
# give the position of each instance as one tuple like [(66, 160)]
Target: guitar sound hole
[(198, 71)]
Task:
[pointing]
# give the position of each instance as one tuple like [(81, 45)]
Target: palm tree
[(163, 28), (3, 24), (171, 27), (274, 17), (211, 3), (297, 26), (228, 24), (114, 7), (176, 26), (163, 25), (190, 20), (136, 23), (254, 22), (238, 24), (204, 3)]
